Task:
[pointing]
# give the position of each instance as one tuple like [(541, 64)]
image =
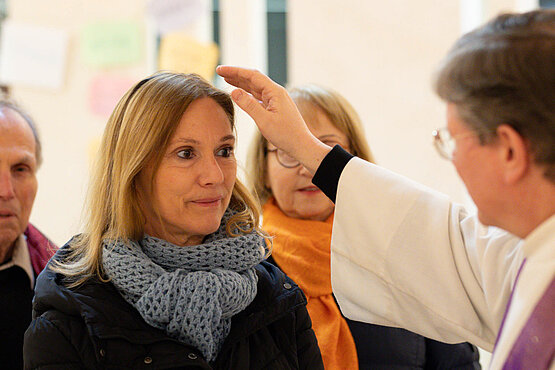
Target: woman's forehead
[(202, 119)]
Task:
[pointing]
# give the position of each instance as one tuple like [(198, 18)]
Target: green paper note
[(111, 43)]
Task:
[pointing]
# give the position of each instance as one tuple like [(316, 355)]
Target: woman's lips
[(208, 202), (309, 190)]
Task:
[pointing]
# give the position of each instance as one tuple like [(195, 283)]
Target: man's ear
[(515, 157)]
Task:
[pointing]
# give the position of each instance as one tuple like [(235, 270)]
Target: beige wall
[(381, 56)]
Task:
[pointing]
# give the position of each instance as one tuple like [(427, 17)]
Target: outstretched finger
[(241, 78), (246, 87), (249, 80), (250, 105)]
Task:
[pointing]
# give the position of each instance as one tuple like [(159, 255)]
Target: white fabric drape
[(404, 255)]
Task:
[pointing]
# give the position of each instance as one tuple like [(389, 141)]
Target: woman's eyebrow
[(228, 137), (186, 141), (193, 141)]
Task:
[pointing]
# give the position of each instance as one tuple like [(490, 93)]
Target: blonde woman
[(300, 218), (170, 270)]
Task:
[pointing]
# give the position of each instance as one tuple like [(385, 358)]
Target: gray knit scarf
[(190, 292)]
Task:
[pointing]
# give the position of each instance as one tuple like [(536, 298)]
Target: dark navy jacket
[(382, 347), (93, 327)]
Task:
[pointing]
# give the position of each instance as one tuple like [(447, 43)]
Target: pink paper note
[(105, 92)]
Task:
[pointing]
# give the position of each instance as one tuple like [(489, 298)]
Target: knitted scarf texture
[(301, 248), (190, 292)]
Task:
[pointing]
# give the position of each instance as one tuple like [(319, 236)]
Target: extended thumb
[(237, 95), (247, 103)]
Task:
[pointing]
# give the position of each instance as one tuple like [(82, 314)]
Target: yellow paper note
[(181, 53)]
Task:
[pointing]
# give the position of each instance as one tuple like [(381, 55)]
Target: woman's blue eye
[(226, 152), (185, 154)]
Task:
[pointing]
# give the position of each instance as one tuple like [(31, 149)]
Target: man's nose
[(6, 185)]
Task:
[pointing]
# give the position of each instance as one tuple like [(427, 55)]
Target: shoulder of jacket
[(57, 320), (276, 288)]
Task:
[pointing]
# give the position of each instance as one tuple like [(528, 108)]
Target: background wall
[(380, 55)]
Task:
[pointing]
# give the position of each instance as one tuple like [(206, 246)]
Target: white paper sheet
[(32, 55)]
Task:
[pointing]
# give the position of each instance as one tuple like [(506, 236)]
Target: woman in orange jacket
[(300, 218)]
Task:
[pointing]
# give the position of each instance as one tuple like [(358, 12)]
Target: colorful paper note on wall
[(111, 43), (181, 53), (32, 55), (105, 92), (172, 15)]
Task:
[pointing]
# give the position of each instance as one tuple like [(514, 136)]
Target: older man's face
[(18, 182), (479, 167)]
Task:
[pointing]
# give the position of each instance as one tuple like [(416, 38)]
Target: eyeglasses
[(445, 143), (287, 161), (284, 159)]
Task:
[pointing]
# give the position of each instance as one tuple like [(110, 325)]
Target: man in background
[(24, 250)]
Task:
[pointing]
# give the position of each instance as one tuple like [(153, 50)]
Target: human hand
[(275, 114)]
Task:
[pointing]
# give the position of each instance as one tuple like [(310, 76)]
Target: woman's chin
[(315, 214), (209, 227)]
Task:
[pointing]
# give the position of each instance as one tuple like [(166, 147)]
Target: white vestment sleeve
[(403, 255)]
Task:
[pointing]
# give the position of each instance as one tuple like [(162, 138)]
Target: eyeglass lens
[(287, 161), (444, 143)]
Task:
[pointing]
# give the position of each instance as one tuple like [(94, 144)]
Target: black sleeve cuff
[(328, 173)]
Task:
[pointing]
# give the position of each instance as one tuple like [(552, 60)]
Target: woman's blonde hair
[(138, 132), (338, 110)]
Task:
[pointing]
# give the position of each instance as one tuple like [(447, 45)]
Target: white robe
[(403, 255)]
